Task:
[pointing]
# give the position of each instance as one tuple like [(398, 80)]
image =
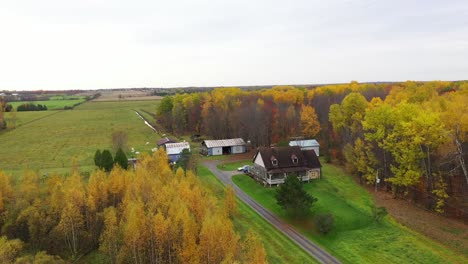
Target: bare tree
[(119, 140)]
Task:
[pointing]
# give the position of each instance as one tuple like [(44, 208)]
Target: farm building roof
[(165, 140), (224, 142), (284, 157), (176, 148), (304, 143)]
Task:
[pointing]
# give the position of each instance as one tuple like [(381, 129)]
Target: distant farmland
[(49, 140), (52, 104)]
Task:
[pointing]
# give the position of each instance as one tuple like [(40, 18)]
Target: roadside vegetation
[(355, 236), (279, 248)]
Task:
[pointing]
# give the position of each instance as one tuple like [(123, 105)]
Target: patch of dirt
[(447, 231)]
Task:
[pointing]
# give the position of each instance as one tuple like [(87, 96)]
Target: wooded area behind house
[(413, 136)]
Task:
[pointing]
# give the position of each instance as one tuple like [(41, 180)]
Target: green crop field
[(278, 247), (51, 104), (49, 140), (355, 237)]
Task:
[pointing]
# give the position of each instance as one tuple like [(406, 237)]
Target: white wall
[(237, 149), (259, 160), (217, 151)]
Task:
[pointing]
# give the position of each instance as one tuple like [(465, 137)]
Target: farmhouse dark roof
[(285, 157), (165, 140)]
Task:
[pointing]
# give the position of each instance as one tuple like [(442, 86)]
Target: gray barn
[(223, 147)]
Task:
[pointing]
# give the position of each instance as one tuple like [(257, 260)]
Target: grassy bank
[(279, 248), (356, 237)]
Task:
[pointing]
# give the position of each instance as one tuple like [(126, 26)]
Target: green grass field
[(49, 140), (355, 238), (230, 166), (52, 104), (278, 247)]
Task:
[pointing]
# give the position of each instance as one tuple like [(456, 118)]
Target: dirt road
[(310, 247)]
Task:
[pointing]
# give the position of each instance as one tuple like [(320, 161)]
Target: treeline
[(413, 134), (264, 117), (415, 140), (3, 108), (31, 107), (153, 215)]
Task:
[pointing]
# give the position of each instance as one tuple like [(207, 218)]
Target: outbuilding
[(163, 141), (223, 147), (174, 150), (306, 144)]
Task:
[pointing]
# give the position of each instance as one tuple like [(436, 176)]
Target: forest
[(129, 216), (412, 136)]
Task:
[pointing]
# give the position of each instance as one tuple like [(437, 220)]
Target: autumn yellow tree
[(309, 122), (230, 202), (110, 240), (9, 249), (6, 195), (217, 239), (253, 250)]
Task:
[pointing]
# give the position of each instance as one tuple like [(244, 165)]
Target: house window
[(274, 161), (294, 158)]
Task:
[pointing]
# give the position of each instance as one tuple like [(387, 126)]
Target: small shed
[(223, 147), (306, 144), (174, 150)]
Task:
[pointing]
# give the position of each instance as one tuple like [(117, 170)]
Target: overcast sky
[(92, 44)]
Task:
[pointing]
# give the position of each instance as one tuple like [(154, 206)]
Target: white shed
[(174, 150), (306, 144)]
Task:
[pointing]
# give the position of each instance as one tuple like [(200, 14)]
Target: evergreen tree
[(292, 197), (98, 158), (107, 161), (121, 159), (184, 159)]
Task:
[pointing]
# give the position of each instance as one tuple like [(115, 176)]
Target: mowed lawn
[(356, 237), (51, 104), (231, 166), (278, 247), (49, 142)]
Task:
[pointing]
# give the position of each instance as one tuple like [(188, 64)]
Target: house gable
[(259, 160)]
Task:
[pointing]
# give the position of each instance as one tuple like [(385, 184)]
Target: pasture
[(355, 237), (48, 141), (55, 103)]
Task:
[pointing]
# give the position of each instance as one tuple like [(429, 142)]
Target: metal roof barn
[(306, 144), (224, 142), (176, 148), (223, 147)]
